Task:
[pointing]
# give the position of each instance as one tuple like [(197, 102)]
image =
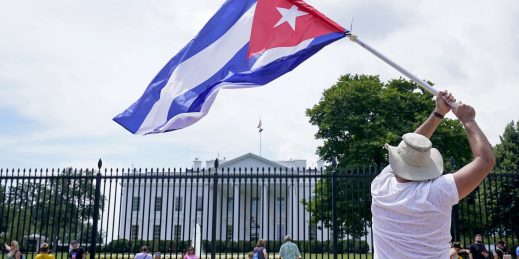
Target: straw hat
[(415, 159)]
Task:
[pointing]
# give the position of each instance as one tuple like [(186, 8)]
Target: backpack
[(257, 254)]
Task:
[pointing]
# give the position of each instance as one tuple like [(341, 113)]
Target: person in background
[(456, 249), (157, 255), (501, 250), (76, 252), (478, 250), (190, 254), (44, 252), (143, 254), (14, 250), (260, 252), (289, 250)]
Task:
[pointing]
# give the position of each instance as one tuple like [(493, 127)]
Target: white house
[(254, 205)]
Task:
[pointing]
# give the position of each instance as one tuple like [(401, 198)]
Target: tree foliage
[(58, 207), (355, 118), (359, 114), (505, 196)]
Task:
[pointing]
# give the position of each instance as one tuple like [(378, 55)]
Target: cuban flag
[(247, 43)]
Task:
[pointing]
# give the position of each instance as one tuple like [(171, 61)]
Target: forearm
[(472, 174), (429, 126), (479, 144)]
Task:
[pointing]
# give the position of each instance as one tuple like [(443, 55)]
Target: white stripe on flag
[(275, 53), (190, 73)]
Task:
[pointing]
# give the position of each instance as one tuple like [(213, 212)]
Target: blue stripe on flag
[(218, 25)]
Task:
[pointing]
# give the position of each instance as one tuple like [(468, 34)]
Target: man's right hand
[(465, 113)]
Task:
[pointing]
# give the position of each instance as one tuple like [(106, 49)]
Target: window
[(199, 203), (136, 203), (313, 232), (230, 209), (254, 207), (156, 232), (158, 203), (229, 231), (134, 232), (178, 232), (254, 224), (280, 207), (178, 203)]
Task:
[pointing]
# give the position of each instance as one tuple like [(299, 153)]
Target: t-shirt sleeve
[(445, 190)]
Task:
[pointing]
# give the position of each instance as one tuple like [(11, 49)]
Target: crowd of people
[(288, 250), (44, 252)]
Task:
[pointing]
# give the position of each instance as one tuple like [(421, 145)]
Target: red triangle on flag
[(286, 23)]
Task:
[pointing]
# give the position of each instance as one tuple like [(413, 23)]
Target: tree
[(58, 207), (356, 117), (505, 195)]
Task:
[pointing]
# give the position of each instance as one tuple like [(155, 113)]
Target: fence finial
[(99, 164)]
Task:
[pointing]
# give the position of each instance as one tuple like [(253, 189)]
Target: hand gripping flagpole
[(417, 80)]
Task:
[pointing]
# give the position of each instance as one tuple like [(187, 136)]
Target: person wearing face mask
[(478, 250)]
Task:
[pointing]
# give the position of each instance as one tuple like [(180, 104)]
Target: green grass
[(219, 256)]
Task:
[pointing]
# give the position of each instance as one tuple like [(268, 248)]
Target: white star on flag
[(289, 16)]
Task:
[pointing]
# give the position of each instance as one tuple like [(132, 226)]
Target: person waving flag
[(247, 43)]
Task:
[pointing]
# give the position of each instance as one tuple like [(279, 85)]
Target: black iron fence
[(112, 213)]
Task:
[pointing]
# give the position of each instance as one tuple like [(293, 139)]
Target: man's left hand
[(442, 102)]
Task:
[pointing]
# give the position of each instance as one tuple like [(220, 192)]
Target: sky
[(68, 67)]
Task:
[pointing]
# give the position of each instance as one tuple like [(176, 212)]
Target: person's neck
[(401, 180)]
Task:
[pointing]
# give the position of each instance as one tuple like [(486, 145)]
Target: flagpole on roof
[(426, 86)]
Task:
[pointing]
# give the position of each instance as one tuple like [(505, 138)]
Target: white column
[(236, 213), (264, 218)]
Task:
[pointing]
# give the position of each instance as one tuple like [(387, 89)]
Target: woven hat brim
[(414, 173)]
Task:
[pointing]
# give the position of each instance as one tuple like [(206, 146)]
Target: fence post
[(97, 196), (334, 209), (215, 193)]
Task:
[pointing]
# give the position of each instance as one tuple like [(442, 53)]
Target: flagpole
[(260, 142), (260, 129), (402, 70)]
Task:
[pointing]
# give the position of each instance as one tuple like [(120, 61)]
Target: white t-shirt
[(142, 256), (412, 219)]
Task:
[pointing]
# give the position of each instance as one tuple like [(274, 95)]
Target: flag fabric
[(247, 43), (260, 129)]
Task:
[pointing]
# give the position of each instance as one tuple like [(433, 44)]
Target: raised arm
[(472, 174), (433, 121)]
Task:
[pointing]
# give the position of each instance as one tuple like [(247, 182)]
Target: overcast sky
[(68, 67)]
